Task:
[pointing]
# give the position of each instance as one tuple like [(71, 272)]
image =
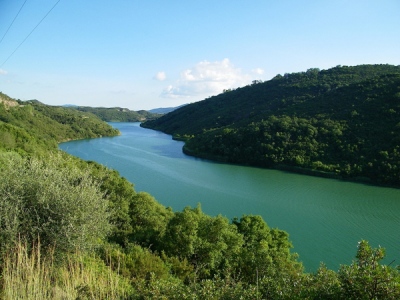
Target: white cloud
[(161, 76), (258, 71), (3, 72), (207, 78)]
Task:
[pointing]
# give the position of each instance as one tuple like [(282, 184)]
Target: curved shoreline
[(292, 169)]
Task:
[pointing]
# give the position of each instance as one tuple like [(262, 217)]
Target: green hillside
[(32, 126), (118, 114), (341, 122), (71, 229)]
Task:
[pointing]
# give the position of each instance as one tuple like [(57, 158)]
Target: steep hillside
[(32, 126), (342, 122)]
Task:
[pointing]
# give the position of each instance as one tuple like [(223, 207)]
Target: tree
[(324, 284), (210, 244), (266, 261), (366, 278), (51, 200), (149, 220)]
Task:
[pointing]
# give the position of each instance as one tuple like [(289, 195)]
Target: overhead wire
[(30, 33), (13, 21)]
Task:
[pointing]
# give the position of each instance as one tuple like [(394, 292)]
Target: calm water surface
[(324, 217)]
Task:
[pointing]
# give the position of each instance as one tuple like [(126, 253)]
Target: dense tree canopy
[(342, 122)]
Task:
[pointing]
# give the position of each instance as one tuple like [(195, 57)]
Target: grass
[(28, 274)]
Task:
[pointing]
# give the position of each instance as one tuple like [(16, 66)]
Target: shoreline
[(291, 169)]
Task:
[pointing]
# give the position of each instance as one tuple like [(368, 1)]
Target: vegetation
[(165, 110), (31, 127), (342, 122), (71, 229), (27, 274), (118, 114), (51, 199)]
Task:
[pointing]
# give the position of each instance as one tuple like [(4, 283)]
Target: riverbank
[(325, 218), (288, 168)]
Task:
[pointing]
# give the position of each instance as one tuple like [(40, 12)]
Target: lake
[(325, 218)]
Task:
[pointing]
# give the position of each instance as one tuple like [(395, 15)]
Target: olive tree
[(51, 200)]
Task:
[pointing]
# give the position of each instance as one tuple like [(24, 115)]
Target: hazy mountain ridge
[(118, 114), (165, 110)]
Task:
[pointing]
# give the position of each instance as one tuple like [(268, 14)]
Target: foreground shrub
[(367, 278), (134, 261), (50, 199)]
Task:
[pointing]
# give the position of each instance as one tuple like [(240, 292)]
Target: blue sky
[(149, 54)]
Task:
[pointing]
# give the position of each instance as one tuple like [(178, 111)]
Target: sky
[(151, 54)]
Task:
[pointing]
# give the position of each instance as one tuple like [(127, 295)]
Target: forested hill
[(118, 114), (343, 122), (30, 126), (71, 229)]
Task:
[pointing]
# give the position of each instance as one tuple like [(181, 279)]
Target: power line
[(12, 21), (30, 33)]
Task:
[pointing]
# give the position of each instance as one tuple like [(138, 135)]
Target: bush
[(51, 200)]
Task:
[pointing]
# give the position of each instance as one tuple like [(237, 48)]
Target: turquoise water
[(324, 217)]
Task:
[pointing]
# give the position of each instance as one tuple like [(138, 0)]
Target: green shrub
[(51, 200)]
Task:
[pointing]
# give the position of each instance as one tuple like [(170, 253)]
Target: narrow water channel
[(324, 217)]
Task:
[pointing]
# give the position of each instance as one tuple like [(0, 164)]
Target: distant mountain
[(118, 114), (342, 122), (165, 110)]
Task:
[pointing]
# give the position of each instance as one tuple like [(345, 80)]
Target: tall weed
[(28, 274)]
